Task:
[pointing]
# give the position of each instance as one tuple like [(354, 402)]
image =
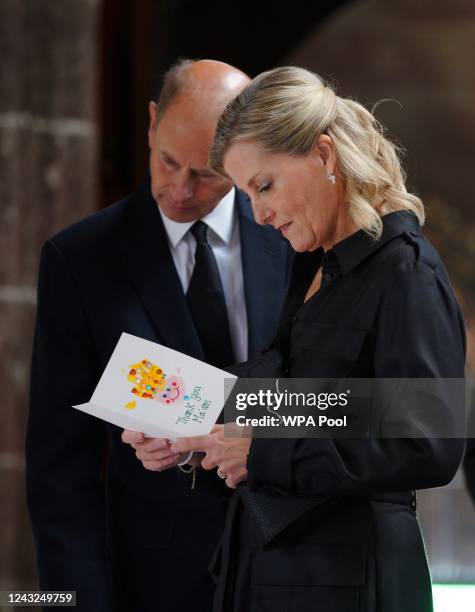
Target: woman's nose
[(262, 214)]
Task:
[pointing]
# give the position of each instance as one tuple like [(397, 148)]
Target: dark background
[(141, 40)]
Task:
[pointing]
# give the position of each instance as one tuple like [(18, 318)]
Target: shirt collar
[(220, 220), (357, 247)]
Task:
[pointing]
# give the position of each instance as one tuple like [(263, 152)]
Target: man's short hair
[(172, 85)]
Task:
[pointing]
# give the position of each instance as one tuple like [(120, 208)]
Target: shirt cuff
[(187, 460)]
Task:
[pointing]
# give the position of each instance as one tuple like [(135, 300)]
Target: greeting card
[(153, 389)]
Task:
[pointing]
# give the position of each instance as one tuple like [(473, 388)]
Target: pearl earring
[(332, 178)]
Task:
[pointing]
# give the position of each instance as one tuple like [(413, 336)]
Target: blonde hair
[(285, 110)]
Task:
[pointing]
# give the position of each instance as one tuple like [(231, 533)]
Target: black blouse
[(385, 309)]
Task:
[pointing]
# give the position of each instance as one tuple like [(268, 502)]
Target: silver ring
[(220, 474)]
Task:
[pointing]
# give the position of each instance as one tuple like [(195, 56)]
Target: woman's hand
[(228, 454)]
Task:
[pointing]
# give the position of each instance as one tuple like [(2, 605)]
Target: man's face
[(182, 183)]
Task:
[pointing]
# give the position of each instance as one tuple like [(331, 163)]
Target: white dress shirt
[(223, 237)]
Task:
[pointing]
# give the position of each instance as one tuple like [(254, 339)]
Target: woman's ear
[(325, 150)]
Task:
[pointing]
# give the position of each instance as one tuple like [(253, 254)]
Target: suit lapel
[(264, 260), (151, 269)]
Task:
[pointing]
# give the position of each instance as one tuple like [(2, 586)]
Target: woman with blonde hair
[(329, 524)]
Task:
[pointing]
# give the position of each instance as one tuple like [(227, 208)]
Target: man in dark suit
[(124, 538)]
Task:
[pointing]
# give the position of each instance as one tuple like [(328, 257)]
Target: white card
[(160, 392)]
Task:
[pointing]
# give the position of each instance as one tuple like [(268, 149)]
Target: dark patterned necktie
[(205, 297)]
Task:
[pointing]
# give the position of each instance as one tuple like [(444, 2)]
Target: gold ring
[(220, 474)]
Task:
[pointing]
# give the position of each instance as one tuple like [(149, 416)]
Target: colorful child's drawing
[(173, 392), (151, 382)]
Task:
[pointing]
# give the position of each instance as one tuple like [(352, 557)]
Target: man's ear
[(325, 150), (152, 112)]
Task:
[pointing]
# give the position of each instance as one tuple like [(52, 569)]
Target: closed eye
[(265, 187), (203, 174), (169, 162)]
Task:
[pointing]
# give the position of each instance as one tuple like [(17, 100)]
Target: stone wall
[(48, 144)]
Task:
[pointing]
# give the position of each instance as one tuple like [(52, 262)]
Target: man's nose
[(182, 187)]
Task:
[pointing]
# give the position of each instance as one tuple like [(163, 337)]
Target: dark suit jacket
[(124, 538), (328, 523)]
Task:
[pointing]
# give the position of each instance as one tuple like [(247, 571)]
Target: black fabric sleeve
[(418, 334), (64, 447), (469, 467)]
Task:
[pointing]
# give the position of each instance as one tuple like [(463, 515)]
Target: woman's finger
[(209, 462)]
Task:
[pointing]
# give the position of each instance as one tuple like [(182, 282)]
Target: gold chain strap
[(189, 470)]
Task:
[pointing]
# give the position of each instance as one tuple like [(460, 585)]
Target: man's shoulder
[(97, 229)]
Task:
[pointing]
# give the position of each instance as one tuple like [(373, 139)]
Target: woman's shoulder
[(411, 255), (415, 279), (412, 276)]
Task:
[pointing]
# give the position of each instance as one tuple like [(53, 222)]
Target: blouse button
[(327, 276)]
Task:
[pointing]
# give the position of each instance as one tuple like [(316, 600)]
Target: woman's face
[(292, 192)]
